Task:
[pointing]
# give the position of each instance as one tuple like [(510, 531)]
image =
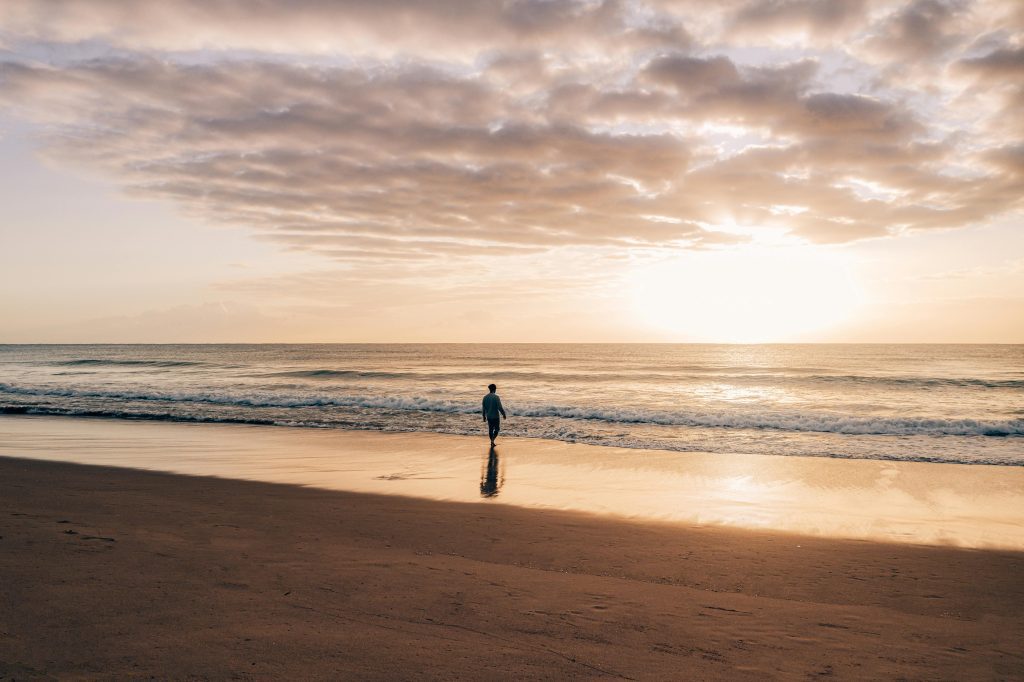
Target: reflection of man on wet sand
[(490, 484), (491, 409)]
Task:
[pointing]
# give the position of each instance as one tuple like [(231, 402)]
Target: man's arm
[(502, 410), (483, 409)]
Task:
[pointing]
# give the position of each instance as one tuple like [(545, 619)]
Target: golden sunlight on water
[(964, 505)]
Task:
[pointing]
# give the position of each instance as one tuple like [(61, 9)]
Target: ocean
[(932, 403)]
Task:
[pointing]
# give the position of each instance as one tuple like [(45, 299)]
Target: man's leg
[(493, 426)]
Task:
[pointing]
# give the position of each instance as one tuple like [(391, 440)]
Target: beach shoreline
[(118, 573), (979, 506)]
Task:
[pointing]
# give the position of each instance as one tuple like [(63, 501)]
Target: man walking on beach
[(492, 408)]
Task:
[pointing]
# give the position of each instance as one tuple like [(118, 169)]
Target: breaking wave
[(770, 420), (89, 362)]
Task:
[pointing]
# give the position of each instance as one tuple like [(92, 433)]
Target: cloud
[(390, 159), (693, 75), (918, 30), (404, 132), (1003, 63), (1009, 159), (997, 77), (382, 27), (814, 18)]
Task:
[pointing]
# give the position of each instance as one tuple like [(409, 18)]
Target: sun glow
[(751, 295)]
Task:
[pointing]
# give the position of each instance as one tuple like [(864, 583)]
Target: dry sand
[(121, 573)]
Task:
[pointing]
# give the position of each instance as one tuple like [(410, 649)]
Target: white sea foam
[(751, 418), (929, 403)]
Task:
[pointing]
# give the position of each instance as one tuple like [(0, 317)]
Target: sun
[(756, 294)]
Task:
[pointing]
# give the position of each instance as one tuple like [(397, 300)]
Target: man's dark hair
[(492, 388)]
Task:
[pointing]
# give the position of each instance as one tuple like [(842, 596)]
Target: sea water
[(941, 403)]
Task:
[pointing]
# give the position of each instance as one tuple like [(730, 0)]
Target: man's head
[(492, 388)]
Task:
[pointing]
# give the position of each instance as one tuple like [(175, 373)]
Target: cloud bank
[(404, 131)]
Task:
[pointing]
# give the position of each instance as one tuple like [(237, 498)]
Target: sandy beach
[(119, 573), (516, 340)]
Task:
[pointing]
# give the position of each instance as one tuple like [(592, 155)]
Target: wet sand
[(109, 572), (909, 502)]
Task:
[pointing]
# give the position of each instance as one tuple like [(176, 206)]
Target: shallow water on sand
[(972, 506)]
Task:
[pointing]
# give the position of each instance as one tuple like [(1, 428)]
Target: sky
[(512, 170)]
